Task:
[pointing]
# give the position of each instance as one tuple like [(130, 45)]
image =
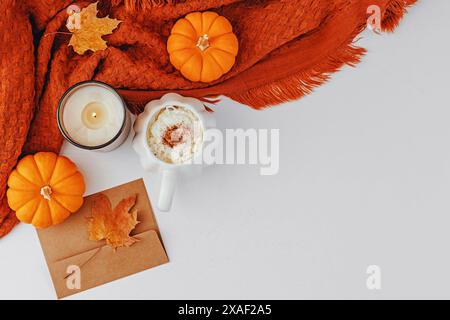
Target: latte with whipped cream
[(175, 134)]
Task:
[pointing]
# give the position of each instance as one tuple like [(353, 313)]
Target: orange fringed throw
[(287, 47)]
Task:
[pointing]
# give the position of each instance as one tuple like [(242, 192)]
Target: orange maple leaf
[(88, 31), (113, 225)]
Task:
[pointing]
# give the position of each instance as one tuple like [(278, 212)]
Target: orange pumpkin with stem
[(202, 46), (45, 189)]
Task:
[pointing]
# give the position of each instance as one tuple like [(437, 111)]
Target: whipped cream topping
[(175, 134)]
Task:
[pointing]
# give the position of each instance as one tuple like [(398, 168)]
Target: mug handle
[(167, 189)]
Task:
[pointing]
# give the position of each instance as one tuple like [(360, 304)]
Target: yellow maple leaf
[(113, 225), (88, 30)]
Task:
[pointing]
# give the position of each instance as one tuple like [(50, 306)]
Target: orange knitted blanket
[(287, 47)]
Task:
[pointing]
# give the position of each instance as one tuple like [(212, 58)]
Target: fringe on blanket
[(394, 13), (304, 82)]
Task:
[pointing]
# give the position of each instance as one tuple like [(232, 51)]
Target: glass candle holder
[(92, 115)]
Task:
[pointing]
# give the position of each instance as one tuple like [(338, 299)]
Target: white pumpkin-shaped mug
[(150, 162)]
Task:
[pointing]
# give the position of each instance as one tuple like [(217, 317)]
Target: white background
[(364, 179)]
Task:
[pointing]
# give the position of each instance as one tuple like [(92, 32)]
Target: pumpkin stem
[(46, 192), (203, 42)]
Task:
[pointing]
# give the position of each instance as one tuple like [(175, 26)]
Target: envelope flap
[(101, 265)]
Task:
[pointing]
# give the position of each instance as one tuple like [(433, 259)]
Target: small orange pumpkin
[(202, 46), (45, 189)]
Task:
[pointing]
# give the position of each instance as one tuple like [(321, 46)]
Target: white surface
[(364, 179)]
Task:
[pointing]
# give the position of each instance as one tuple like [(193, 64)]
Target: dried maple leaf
[(113, 225), (88, 31)]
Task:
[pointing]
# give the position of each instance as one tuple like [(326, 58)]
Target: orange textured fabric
[(287, 47)]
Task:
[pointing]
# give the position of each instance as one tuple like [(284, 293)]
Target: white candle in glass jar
[(92, 115)]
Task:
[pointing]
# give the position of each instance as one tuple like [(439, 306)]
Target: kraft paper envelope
[(67, 245)]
